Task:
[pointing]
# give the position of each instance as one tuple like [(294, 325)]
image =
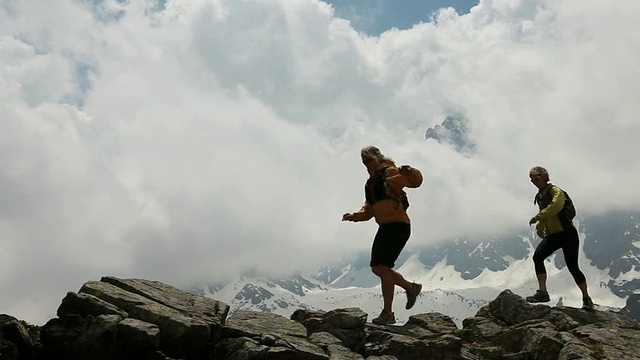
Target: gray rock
[(87, 305), (98, 338), (252, 323), (435, 323), (287, 338), (197, 307), (522, 330), (632, 308), (13, 331), (127, 319), (481, 328), (333, 346), (348, 325), (138, 335), (513, 309), (187, 322)]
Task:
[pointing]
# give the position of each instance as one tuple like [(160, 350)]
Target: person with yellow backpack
[(554, 224)]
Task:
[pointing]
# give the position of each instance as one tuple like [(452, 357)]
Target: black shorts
[(389, 242)]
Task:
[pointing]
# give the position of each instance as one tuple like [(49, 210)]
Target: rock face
[(141, 319), (632, 308), (133, 318)]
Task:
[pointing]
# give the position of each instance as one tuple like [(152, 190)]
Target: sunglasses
[(368, 161)]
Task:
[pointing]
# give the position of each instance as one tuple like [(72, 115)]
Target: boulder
[(188, 323), (345, 324), (17, 339), (87, 305), (257, 335), (523, 330), (333, 346)]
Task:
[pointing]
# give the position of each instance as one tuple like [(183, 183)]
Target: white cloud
[(190, 143)]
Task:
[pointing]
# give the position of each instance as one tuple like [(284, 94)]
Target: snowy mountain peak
[(455, 132)]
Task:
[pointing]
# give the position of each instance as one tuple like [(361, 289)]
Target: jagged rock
[(429, 324), (127, 319), (8, 350), (424, 336), (479, 328), (542, 332), (139, 336), (333, 347), (530, 336), (60, 336), (392, 340), (345, 324), (133, 318), (87, 305), (512, 309), (245, 333), (99, 337), (252, 323), (576, 350), (632, 307), (15, 333), (188, 323)]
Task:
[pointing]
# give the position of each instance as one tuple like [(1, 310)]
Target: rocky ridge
[(141, 319)]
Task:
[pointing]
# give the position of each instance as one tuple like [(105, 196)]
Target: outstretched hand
[(533, 220), (347, 217)]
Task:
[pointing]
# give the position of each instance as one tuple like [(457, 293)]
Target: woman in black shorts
[(387, 203)]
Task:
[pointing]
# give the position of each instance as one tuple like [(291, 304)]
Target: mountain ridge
[(459, 276)]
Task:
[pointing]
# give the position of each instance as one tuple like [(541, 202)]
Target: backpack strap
[(539, 195), (398, 197), (375, 188)]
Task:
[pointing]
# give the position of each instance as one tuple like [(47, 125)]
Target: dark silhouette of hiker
[(386, 201), (557, 232)]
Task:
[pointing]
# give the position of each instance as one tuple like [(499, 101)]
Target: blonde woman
[(386, 201)]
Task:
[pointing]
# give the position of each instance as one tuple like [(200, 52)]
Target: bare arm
[(405, 176), (365, 213)]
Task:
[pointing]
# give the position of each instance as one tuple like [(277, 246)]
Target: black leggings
[(568, 242)]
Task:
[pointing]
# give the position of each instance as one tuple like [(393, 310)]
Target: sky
[(373, 17), (189, 140)]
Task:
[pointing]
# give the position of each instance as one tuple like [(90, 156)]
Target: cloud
[(190, 142)]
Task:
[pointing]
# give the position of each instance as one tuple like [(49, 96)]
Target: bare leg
[(389, 278), (583, 288), (542, 282)]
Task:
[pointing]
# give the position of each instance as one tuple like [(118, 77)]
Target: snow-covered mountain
[(459, 276), (263, 294), (612, 244), (453, 131)]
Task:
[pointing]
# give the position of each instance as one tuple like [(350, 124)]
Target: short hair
[(539, 170)]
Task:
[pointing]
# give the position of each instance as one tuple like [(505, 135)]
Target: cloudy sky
[(377, 16), (188, 140)]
